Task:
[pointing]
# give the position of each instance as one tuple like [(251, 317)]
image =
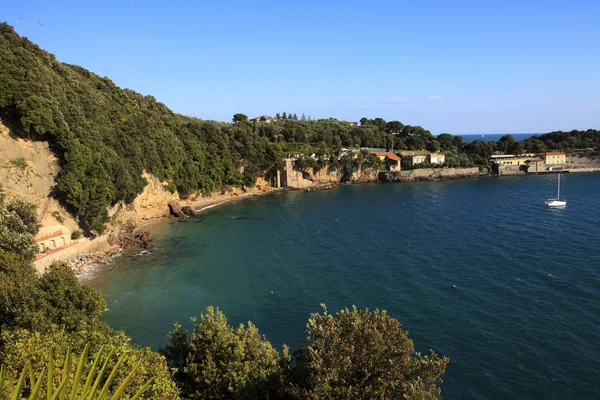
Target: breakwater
[(430, 174)]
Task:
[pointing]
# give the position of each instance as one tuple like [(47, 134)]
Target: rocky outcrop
[(128, 236), (294, 179), (144, 239), (176, 210), (189, 211), (152, 202)]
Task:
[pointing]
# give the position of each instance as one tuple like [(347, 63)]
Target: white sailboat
[(557, 202)]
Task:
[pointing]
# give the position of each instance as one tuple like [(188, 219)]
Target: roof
[(387, 154), (407, 153), (554, 153), (266, 117), (535, 160), (500, 156)]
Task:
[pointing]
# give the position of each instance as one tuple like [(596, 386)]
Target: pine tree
[(277, 116), (303, 117), (295, 117), (284, 116)]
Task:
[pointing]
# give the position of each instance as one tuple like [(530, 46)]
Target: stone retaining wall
[(430, 174)]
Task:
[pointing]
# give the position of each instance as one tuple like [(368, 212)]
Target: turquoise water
[(523, 322)]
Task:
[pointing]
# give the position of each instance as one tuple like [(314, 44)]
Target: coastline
[(89, 254)]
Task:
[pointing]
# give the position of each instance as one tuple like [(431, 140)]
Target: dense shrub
[(358, 354), (217, 361)]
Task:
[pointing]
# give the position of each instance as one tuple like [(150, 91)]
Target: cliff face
[(28, 169), (305, 179), (153, 202)]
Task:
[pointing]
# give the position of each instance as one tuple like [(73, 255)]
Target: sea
[(494, 137), (523, 321)]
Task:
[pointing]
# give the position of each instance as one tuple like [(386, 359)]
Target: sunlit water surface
[(523, 321)]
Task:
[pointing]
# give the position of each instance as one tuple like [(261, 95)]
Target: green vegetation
[(359, 354), (18, 225), (573, 141), (94, 385), (76, 234), (55, 312), (217, 361), (105, 136), (19, 163), (356, 354), (58, 217)]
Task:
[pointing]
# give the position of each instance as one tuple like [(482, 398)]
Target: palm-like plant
[(83, 387)]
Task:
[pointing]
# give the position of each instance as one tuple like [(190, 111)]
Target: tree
[(295, 117), (359, 354), (505, 142), (348, 166), (217, 361), (303, 118), (284, 115), (18, 225), (394, 127), (240, 117), (277, 116), (516, 148)]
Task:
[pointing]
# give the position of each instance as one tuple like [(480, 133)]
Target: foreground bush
[(133, 367), (92, 384), (217, 361), (55, 298), (358, 354)]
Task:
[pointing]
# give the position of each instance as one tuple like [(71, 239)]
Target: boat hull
[(556, 203)]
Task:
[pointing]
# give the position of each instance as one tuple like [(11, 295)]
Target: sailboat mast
[(558, 196)]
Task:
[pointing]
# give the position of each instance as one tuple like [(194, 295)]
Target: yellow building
[(510, 159), (415, 157), (553, 157)]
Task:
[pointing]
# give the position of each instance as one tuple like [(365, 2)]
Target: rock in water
[(175, 209), (144, 239), (187, 210)]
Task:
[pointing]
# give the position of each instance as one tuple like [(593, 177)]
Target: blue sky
[(449, 66)]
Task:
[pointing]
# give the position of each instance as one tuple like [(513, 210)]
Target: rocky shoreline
[(130, 236), (83, 263)]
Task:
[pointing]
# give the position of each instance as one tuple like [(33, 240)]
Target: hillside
[(105, 137)]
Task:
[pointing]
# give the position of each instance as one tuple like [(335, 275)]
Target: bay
[(523, 321)]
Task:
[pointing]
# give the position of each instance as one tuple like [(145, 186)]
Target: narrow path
[(45, 210)]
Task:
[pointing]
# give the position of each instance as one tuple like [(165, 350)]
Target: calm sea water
[(494, 137), (523, 321)]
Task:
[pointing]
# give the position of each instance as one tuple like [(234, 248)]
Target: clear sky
[(456, 66)]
